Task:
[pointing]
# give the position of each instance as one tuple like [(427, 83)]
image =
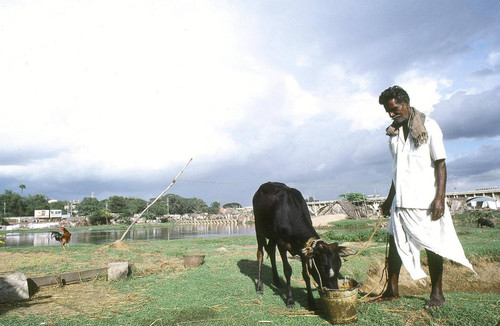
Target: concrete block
[(13, 287), (117, 270)]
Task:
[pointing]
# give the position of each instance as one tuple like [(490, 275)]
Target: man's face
[(399, 112)]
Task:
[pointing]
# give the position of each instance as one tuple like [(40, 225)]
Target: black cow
[(482, 221), (282, 217)]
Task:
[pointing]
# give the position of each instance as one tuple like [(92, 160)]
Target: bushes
[(98, 218), (355, 231), (353, 236)]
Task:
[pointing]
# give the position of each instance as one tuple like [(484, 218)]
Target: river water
[(173, 232)]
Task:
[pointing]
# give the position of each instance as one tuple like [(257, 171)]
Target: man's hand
[(437, 206), (386, 208), (437, 209), (387, 205)]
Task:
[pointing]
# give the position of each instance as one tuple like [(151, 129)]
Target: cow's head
[(324, 262)]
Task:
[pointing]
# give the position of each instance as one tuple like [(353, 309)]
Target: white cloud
[(299, 104), (424, 91), (494, 58), (112, 90), (139, 87), (347, 95)]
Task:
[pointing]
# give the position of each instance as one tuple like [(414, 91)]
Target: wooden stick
[(154, 201)]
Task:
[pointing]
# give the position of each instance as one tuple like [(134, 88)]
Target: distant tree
[(214, 208), (22, 188), (232, 205), (180, 205), (117, 204), (89, 206), (194, 205), (94, 210), (60, 204), (14, 204), (175, 204), (149, 215), (34, 202), (353, 196), (136, 205), (160, 208), (98, 218)]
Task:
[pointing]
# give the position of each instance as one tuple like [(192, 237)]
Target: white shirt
[(413, 170)]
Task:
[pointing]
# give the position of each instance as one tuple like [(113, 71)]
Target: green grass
[(355, 231), (161, 291)]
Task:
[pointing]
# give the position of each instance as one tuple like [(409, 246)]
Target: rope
[(291, 313), (386, 263), (311, 244), (384, 272), (368, 241), (319, 275)]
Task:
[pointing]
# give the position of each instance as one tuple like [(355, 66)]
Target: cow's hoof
[(290, 305), (260, 292)]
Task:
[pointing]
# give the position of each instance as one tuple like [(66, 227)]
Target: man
[(416, 200)]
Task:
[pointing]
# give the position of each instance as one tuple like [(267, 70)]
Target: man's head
[(396, 103)]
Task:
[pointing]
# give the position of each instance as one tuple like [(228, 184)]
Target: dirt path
[(323, 220)]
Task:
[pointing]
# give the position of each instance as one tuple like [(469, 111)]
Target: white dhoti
[(413, 229)]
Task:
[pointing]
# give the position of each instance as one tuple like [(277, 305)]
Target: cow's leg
[(271, 252), (287, 269), (261, 242), (311, 304)]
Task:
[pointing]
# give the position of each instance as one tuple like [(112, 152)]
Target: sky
[(113, 98)]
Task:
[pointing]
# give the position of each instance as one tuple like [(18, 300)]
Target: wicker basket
[(340, 305), (193, 260)]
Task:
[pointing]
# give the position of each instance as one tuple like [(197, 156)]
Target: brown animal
[(63, 238)]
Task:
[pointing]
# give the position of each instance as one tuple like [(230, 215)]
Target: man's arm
[(386, 206), (437, 206)]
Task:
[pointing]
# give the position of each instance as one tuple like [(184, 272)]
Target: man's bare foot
[(436, 301), (384, 298)]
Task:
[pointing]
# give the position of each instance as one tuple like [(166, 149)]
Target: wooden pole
[(154, 201)]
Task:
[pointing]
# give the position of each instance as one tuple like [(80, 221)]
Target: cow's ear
[(308, 252), (334, 246), (344, 251)]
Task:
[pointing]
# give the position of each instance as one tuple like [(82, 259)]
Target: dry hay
[(11, 261), (144, 263), (153, 264), (120, 245), (96, 299), (456, 278), (117, 245)]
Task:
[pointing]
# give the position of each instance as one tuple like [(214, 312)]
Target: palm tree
[(22, 188)]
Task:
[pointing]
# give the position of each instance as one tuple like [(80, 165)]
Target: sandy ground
[(323, 220)]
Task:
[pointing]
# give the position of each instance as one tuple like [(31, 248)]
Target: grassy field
[(161, 291)]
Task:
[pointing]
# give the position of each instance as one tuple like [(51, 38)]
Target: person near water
[(419, 216)]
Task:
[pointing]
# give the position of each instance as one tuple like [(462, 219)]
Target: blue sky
[(114, 97)]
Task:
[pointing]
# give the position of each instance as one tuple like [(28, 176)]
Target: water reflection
[(143, 234)]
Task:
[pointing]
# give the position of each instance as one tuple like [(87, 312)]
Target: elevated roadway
[(327, 206)]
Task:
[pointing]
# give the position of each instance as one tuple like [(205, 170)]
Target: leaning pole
[(154, 201)]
